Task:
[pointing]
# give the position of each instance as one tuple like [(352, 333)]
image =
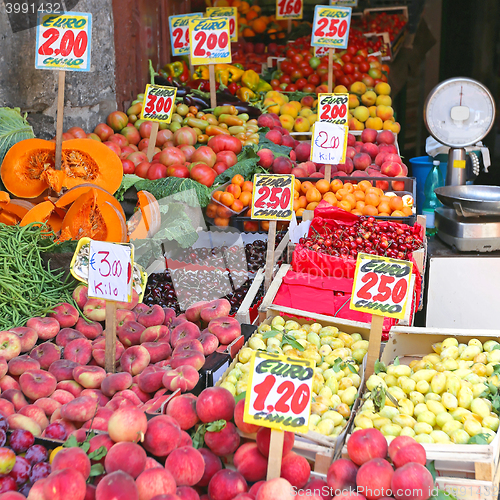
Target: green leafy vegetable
[(128, 181), (479, 439), (380, 367), (432, 469), (298, 95), (96, 470), (265, 143), (240, 396), (247, 166)]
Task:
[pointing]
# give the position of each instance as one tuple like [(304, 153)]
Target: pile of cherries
[(367, 235)]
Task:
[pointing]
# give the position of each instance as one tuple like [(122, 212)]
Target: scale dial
[(459, 112)]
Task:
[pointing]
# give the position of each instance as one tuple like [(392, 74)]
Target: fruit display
[(448, 396), (337, 375)]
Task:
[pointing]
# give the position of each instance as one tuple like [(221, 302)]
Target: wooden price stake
[(331, 29), (279, 397), (157, 107), (272, 200), (288, 10), (110, 278), (345, 3), (179, 34), (63, 44), (381, 288), (209, 44)]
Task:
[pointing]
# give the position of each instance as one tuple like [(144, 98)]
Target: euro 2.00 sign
[(331, 27), (179, 33), (232, 14), (158, 103), (63, 41), (381, 285), (209, 40), (279, 392), (272, 196), (333, 108), (329, 143)]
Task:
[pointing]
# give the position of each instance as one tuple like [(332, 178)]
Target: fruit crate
[(357, 133), (316, 447), (469, 472)]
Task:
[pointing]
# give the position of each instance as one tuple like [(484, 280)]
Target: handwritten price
[(277, 197), (158, 103), (331, 27), (289, 8), (335, 30), (69, 43)]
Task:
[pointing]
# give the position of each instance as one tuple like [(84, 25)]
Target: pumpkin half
[(43, 212), (28, 167)]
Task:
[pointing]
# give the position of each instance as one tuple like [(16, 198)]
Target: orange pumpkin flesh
[(4, 198), (147, 220), (18, 208), (28, 167), (8, 219), (90, 216), (42, 213)]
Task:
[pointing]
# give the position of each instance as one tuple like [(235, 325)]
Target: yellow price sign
[(333, 108), (272, 196), (331, 27), (158, 103), (232, 14), (279, 392), (209, 40), (289, 9), (381, 285)]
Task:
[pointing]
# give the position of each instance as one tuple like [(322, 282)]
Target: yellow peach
[(353, 101), (383, 99), (355, 124), (383, 88), (385, 112), (375, 123), (340, 89), (358, 88), (287, 122), (312, 118), (273, 106), (305, 112), (296, 104), (373, 111), (289, 109), (301, 124), (369, 98), (361, 113)]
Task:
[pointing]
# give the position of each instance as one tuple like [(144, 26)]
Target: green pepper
[(250, 79), (239, 66), (174, 69), (263, 86), (198, 123)]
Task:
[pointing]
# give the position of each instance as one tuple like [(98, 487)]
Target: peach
[(46, 354), (350, 495), (345, 168), (169, 316), (154, 333), (266, 157), (80, 409), (238, 419), (80, 295), (4, 366), (13, 495), (183, 377), (295, 469), (6, 408), (412, 482), (62, 397), (188, 357), (162, 436), (49, 406), (70, 428), (361, 161), (186, 465), (37, 414), (72, 458), (282, 165), (155, 405), (215, 309), (36, 491), (193, 311), (117, 485), (16, 397), (46, 328), (391, 168), (135, 359), (123, 315), (410, 453), (150, 380), (226, 329), (370, 149), (66, 335), (99, 351), (117, 403), (341, 475), (275, 136), (397, 443), (155, 315), (183, 409), (388, 148), (63, 484), (90, 330), (17, 366), (37, 384), (89, 377), (79, 351), (127, 457), (215, 403), (187, 344), (98, 441), (184, 331), (10, 345), (18, 421), (155, 481), (178, 321), (158, 351), (263, 440), (127, 424), (250, 463), (129, 305), (366, 444), (223, 442), (369, 135), (140, 308), (185, 439), (7, 382), (276, 488), (90, 492), (319, 488), (213, 465), (130, 333), (187, 493), (373, 479), (28, 337), (209, 343), (115, 382), (71, 386), (101, 399), (226, 484), (95, 309), (66, 314), (151, 463), (386, 137), (143, 396)]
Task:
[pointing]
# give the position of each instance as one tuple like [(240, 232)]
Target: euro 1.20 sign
[(279, 392)]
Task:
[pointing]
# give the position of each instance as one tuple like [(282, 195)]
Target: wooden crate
[(244, 314)]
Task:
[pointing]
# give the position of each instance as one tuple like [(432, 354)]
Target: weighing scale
[(458, 113)]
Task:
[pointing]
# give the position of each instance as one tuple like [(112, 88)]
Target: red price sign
[(209, 40), (333, 108), (110, 271), (331, 27), (158, 103), (272, 197), (179, 33), (289, 9), (63, 41), (232, 14), (381, 285), (279, 394)]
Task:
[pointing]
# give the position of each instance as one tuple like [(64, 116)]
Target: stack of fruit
[(445, 397), (338, 358)]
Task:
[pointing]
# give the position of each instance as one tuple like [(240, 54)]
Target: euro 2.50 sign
[(331, 27), (272, 196), (279, 392), (209, 40), (179, 33)]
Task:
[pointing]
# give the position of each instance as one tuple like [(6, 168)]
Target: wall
[(89, 97)]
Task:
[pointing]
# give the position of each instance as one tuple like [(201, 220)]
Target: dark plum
[(20, 440), (37, 453)]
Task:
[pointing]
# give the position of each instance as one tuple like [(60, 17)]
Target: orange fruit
[(372, 199), (385, 198), (341, 194), (360, 205), (221, 221), (224, 212), (407, 211), (264, 225), (234, 189), (238, 180), (247, 186), (247, 32), (359, 195), (216, 195), (384, 207), (249, 213), (356, 212), (369, 210), (237, 206), (323, 186), (211, 210), (306, 186), (336, 184), (297, 185), (251, 15), (245, 198), (330, 198), (345, 205), (296, 205), (364, 185), (384, 214), (397, 213), (396, 203), (259, 25), (296, 195), (313, 195), (349, 187), (227, 199), (302, 201), (375, 190), (351, 199), (299, 212), (312, 205)]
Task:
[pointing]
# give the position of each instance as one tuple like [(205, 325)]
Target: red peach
[(129, 305), (143, 396), (213, 465), (276, 488), (303, 151), (130, 395), (37, 384), (115, 382), (123, 315), (369, 135), (98, 441), (64, 484), (351, 139), (16, 397), (370, 149), (349, 495), (386, 137), (411, 453), (62, 397), (80, 409), (27, 336), (226, 484), (36, 491), (66, 335), (155, 481), (215, 309), (341, 475), (188, 357), (193, 311), (186, 466), (49, 406), (117, 485), (151, 463), (397, 443), (250, 463), (89, 377), (17, 366), (155, 315), (226, 329), (374, 478), (215, 403), (135, 359), (96, 394), (46, 354), (7, 382), (295, 469), (130, 333), (66, 314), (319, 488), (127, 457), (127, 424), (80, 295), (150, 380), (62, 369), (72, 458), (79, 351), (412, 482), (361, 161), (183, 409), (90, 492), (154, 333), (282, 165), (90, 330), (99, 351), (187, 344), (162, 436), (186, 492), (184, 331), (71, 386), (37, 414), (95, 309), (238, 419), (18, 421), (224, 442), (209, 343), (46, 328), (185, 440), (263, 440), (159, 350), (366, 444)]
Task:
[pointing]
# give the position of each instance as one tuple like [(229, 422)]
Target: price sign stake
[(157, 106), (381, 288), (279, 397), (110, 278), (345, 3), (232, 14), (289, 9), (179, 33), (63, 43), (209, 44)]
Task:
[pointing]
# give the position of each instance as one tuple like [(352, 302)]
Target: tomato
[(142, 168), (225, 143), (372, 58), (314, 79), (384, 78), (204, 174), (322, 71), (375, 64), (352, 49), (296, 75), (375, 73), (358, 59), (346, 58), (338, 74), (301, 83), (285, 79), (364, 67), (336, 66), (283, 86), (307, 55), (346, 80), (307, 88), (285, 65), (386, 68), (129, 167), (303, 64), (314, 62), (275, 83), (357, 76), (156, 171), (291, 88), (220, 167), (291, 68), (362, 52), (290, 53), (368, 81), (348, 68), (307, 71)]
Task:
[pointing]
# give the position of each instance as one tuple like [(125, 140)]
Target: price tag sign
[(329, 143), (179, 33), (289, 9), (381, 285), (331, 26), (209, 40), (345, 3), (110, 271), (321, 51), (63, 41), (158, 103), (279, 393), (333, 108), (272, 196), (232, 14)]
